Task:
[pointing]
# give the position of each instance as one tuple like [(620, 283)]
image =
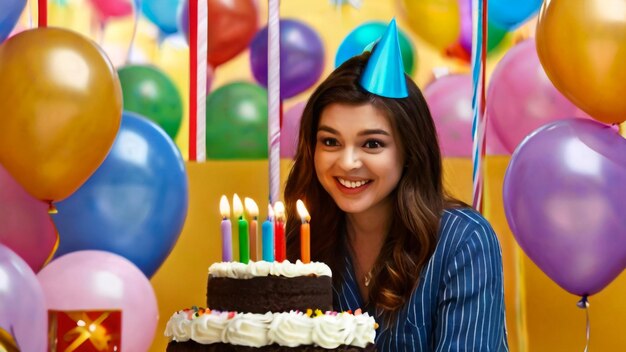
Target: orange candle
[(305, 232), (253, 213)]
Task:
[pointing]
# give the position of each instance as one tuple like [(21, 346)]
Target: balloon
[(301, 57), (25, 226), (135, 204), (61, 108), (582, 47), (106, 9), (521, 98), (232, 24), (290, 130), (509, 14), (495, 34), (564, 202), (162, 13), (435, 21), (357, 40), (98, 280), (10, 11), (149, 92), (449, 99), (23, 312), (236, 122)]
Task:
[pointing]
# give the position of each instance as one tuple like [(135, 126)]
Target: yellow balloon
[(582, 47), (438, 22), (61, 107)]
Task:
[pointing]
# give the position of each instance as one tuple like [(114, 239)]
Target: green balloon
[(495, 35), (151, 93), (236, 122)]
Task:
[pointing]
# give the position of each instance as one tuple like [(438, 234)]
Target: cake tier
[(270, 294), (192, 346)]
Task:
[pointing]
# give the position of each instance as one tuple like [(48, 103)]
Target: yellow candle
[(253, 212), (305, 232)]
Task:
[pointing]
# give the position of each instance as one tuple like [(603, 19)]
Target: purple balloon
[(521, 97), (301, 57), (290, 130), (563, 196), (23, 311)]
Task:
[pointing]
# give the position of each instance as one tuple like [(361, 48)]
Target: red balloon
[(232, 24)]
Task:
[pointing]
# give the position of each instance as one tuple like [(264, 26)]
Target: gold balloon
[(438, 22), (61, 107), (582, 47)]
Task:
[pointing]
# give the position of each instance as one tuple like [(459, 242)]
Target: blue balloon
[(10, 11), (135, 204), (510, 14), (162, 13)]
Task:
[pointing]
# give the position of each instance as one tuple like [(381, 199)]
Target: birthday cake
[(269, 306)]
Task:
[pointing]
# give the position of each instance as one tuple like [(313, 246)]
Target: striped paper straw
[(273, 97), (479, 53), (198, 27)]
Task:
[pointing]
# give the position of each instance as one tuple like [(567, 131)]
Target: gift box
[(85, 331)]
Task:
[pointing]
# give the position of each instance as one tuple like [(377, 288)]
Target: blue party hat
[(384, 72)]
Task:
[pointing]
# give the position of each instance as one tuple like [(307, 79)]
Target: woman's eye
[(329, 142), (373, 144)]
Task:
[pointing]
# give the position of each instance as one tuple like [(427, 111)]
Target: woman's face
[(358, 159)]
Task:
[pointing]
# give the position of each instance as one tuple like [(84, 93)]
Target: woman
[(425, 265)]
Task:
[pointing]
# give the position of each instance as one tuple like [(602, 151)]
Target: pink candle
[(226, 229)]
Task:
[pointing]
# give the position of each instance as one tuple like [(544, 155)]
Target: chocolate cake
[(264, 306)]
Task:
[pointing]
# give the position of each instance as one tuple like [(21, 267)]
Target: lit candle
[(305, 232), (268, 235), (244, 240), (280, 245), (253, 212), (227, 242)]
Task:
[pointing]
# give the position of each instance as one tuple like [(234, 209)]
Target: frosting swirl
[(236, 270), (289, 329)]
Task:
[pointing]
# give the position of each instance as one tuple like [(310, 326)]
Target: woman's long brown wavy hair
[(419, 196)]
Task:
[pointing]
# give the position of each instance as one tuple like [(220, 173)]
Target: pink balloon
[(290, 130), (23, 311), (450, 101), (521, 98), (112, 8), (96, 280), (25, 225)]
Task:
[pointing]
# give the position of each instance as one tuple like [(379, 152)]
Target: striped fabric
[(459, 302)]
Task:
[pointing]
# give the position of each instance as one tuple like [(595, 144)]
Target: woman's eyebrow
[(327, 129), (373, 131)]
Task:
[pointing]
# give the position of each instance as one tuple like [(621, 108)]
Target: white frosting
[(286, 329), (236, 270)]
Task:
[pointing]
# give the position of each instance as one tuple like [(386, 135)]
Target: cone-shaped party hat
[(384, 72)]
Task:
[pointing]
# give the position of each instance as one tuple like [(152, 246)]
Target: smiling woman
[(425, 265)]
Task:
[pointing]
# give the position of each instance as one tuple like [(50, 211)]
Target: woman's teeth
[(352, 184)]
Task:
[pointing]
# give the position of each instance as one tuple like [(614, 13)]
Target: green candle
[(244, 237)]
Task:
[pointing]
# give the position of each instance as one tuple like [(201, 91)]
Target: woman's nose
[(350, 159)]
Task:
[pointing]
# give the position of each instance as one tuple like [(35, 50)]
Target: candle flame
[(304, 214), (270, 212), (237, 206), (251, 207), (224, 207), (279, 211)]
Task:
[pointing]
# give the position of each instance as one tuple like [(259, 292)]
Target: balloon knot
[(583, 303), (52, 209)]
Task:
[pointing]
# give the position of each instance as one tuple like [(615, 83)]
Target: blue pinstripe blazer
[(458, 304)]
